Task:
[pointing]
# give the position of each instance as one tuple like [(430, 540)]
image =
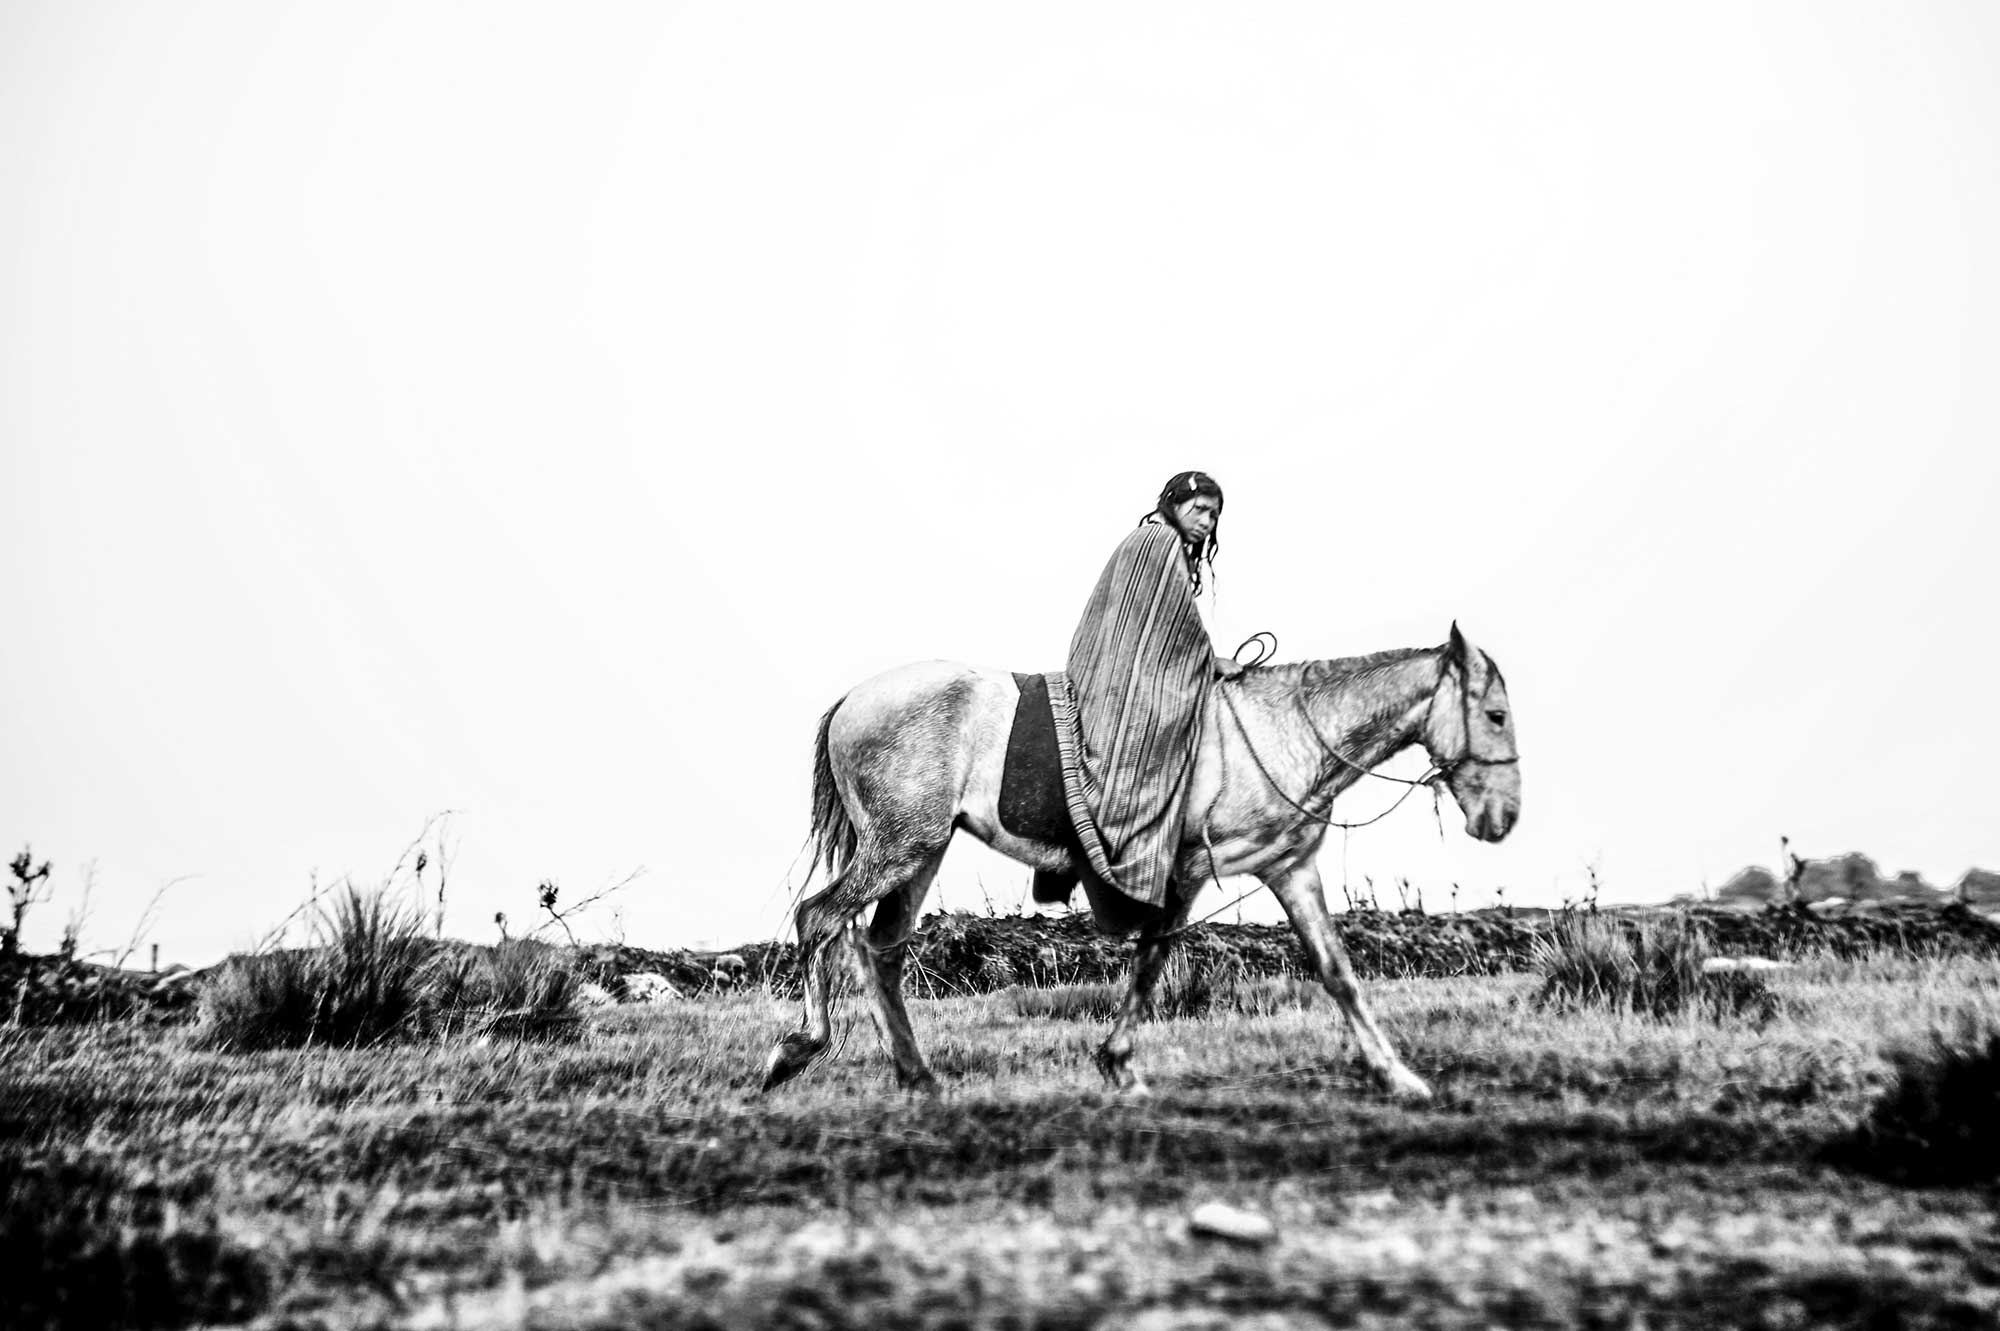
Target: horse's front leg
[(1156, 944), (1299, 890)]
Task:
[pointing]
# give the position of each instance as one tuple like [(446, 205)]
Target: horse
[(913, 754)]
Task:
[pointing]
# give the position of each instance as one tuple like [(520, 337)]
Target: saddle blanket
[(1033, 804)]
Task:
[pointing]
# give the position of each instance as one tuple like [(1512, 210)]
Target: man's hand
[(1227, 667)]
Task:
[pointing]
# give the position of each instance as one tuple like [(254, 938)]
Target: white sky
[(545, 412)]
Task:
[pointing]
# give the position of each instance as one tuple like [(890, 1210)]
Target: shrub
[(263, 1001), (996, 971), (1200, 975), (1935, 1123), (1657, 970), (521, 988), (373, 975), (374, 950), (362, 982)]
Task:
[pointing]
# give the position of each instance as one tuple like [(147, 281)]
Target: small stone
[(1717, 964), (649, 987), (1222, 1221)]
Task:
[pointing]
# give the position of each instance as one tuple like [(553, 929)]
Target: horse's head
[(1469, 732)]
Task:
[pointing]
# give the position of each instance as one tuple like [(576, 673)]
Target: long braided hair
[(1182, 487)]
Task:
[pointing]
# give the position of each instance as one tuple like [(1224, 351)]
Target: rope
[(1266, 643), (1267, 647), (1299, 701), (1265, 772)]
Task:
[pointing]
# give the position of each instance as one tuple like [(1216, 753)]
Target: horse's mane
[(1336, 670)]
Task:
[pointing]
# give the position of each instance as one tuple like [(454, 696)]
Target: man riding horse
[(907, 759), (1128, 708)]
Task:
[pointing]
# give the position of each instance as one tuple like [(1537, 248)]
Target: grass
[(1936, 1123), (1655, 969), (1580, 1166), (90, 1246), (1099, 1002), (373, 974), (361, 981), (1201, 977)]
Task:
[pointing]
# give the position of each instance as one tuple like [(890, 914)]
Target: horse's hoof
[(921, 1084), (789, 1057), (1116, 1069), (1407, 1086), (776, 1073)]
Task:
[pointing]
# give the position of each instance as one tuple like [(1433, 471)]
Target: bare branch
[(312, 899), (73, 927), (548, 891), (148, 917), (29, 888), (416, 847), (439, 855)]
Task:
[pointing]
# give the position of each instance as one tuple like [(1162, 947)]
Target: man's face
[(1197, 517)]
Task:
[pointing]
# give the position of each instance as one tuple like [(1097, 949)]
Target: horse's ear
[(1456, 651)]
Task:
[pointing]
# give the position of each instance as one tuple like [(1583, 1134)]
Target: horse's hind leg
[(881, 952), (1299, 891), (877, 871)]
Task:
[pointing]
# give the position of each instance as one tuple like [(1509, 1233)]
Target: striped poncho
[(1128, 713)]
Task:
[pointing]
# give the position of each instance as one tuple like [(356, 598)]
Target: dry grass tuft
[(1590, 961), (520, 989), (373, 975), (361, 982)]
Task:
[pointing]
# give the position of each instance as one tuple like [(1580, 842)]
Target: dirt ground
[(1576, 1169)]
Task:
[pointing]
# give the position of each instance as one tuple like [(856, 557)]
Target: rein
[(1309, 815)]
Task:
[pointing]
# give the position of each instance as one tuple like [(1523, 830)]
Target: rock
[(178, 978), (649, 987), (1222, 1221), (1715, 964)]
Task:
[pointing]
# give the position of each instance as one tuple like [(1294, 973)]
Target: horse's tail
[(832, 830)]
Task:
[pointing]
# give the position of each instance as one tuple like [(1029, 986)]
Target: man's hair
[(1180, 488)]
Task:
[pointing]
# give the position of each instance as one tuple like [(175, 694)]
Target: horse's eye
[(1497, 717)]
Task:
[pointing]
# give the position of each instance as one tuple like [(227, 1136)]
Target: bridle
[(1446, 770)]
